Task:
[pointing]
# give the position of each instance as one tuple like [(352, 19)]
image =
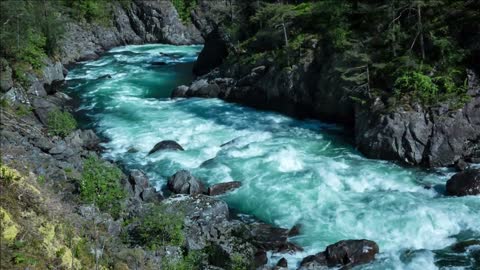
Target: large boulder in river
[(183, 182), (343, 253), (464, 183), (166, 145)]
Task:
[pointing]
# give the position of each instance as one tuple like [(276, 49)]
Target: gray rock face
[(464, 183), (6, 81), (435, 137), (183, 182), (344, 253), (207, 223), (142, 22), (140, 189), (214, 52)]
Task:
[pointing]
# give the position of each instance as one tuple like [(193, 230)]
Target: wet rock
[(267, 237), (107, 76), (343, 253), (260, 258), (213, 53), (464, 183), (159, 63), (183, 182), (295, 230), (180, 91), (461, 165), (222, 188), (166, 145), (463, 246), (282, 263)]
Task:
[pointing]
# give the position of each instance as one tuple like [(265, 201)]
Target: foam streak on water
[(292, 171)]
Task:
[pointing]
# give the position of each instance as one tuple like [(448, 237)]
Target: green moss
[(239, 262), (9, 228)]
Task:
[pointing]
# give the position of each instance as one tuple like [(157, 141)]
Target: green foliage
[(184, 8), (431, 89), (92, 11), (239, 262), (421, 85), (100, 185), (23, 110), (193, 261), (33, 52), (8, 175), (158, 228), (23, 259), (61, 123)]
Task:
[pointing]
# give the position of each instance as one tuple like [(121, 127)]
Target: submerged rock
[(222, 188), (183, 182), (464, 183), (343, 253), (281, 264), (166, 145)]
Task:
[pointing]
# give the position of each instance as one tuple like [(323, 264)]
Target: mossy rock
[(9, 228)]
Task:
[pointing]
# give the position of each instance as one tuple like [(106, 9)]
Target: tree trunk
[(420, 30)]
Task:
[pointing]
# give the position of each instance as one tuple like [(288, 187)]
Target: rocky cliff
[(431, 136)]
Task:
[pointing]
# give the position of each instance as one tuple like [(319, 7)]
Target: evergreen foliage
[(184, 7), (414, 47)]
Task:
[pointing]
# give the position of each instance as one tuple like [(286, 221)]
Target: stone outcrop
[(433, 137), (183, 182), (142, 22), (464, 183), (344, 253)]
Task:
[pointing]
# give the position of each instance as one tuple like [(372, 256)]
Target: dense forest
[(401, 49)]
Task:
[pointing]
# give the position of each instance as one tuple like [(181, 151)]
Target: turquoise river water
[(293, 171)]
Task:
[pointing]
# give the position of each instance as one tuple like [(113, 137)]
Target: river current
[(292, 171)]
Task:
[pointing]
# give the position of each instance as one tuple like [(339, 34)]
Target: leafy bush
[(33, 52), (421, 85), (61, 123), (158, 228), (192, 261), (100, 184), (239, 262)]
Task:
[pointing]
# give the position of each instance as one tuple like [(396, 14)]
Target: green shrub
[(158, 228), (100, 185), (422, 86), (239, 262), (33, 52), (184, 7), (193, 261), (61, 123), (23, 110)]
